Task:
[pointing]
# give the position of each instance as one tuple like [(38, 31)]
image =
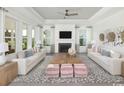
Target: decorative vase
[(71, 52)]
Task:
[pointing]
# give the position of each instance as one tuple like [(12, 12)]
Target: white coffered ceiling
[(56, 12)]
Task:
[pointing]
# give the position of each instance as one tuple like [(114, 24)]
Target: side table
[(122, 69), (8, 73)]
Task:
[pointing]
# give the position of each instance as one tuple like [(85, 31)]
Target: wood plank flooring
[(64, 58)]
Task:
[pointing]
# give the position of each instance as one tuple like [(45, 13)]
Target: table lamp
[(3, 49)]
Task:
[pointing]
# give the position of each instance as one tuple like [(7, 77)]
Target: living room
[(72, 44), (35, 43)]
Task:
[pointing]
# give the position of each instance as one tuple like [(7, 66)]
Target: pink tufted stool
[(66, 70), (80, 70), (52, 70)]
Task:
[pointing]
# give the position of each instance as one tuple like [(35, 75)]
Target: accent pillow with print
[(21, 54), (28, 53), (94, 48), (105, 53), (99, 49)]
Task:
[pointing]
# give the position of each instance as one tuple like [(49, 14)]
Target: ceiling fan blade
[(73, 14)]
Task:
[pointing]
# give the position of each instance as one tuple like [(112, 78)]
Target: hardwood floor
[(64, 58)]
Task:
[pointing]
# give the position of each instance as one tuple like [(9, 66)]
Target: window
[(82, 38), (46, 38), (24, 37), (10, 34), (11, 40), (33, 40)]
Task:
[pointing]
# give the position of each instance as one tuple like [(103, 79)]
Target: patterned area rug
[(97, 76)]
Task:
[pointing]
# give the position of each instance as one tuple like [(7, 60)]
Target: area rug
[(97, 76)]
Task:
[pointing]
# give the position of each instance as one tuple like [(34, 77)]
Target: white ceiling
[(55, 12)]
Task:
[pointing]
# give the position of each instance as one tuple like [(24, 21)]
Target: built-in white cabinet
[(47, 37), (82, 49), (84, 38), (48, 49)]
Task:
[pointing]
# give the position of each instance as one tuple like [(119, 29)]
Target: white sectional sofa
[(112, 65), (25, 64)]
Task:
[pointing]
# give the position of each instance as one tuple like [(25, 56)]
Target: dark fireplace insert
[(63, 47)]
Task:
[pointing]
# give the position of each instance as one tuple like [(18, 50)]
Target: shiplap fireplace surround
[(64, 27)]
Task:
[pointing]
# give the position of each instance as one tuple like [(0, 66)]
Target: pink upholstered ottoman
[(52, 70), (80, 70), (66, 70)]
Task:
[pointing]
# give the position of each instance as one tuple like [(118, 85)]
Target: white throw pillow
[(115, 54), (94, 48), (21, 54)]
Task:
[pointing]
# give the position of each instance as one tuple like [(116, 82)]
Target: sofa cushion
[(105, 53), (36, 49), (95, 53), (106, 60), (115, 54), (94, 49)]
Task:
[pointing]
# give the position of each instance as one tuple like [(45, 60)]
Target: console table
[(8, 72)]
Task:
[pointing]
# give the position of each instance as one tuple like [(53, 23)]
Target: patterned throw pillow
[(105, 53), (35, 50), (99, 49), (28, 53), (21, 54)]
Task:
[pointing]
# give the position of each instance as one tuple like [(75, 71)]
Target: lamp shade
[(3, 47)]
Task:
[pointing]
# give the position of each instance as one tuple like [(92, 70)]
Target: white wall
[(19, 27), (29, 32), (78, 22), (25, 14), (37, 35), (110, 22)]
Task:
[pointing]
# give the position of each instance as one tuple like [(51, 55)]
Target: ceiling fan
[(67, 13)]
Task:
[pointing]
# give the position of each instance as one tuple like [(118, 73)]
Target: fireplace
[(63, 47)]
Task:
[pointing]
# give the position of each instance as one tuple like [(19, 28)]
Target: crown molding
[(25, 14), (104, 13)]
